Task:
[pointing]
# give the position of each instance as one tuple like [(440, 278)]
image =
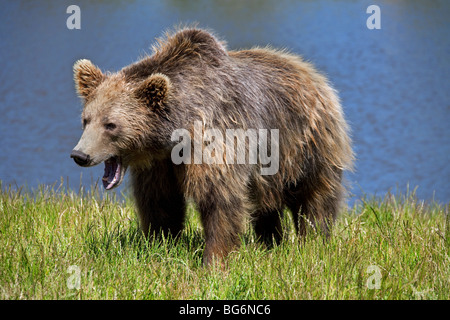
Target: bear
[(192, 82)]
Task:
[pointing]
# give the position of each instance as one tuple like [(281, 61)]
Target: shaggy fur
[(192, 77)]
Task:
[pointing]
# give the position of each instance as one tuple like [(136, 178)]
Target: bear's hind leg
[(267, 227), (317, 213)]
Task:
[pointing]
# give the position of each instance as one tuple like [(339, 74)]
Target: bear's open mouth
[(113, 173)]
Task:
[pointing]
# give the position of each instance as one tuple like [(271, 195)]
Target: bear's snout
[(80, 158)]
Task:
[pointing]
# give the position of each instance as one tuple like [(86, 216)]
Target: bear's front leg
[(222, 223), (221, 195), (159, 200), (223, 216)]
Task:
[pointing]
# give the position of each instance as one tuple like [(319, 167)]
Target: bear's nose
[(80, 157)]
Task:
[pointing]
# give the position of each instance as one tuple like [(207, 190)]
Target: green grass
[(392, 248)]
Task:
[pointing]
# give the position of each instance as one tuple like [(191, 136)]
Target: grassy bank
[(56, 244)]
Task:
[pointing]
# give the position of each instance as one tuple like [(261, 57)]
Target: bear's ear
[(87, 77), (154, 91)]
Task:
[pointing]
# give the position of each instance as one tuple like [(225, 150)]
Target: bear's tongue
[(112, 173)]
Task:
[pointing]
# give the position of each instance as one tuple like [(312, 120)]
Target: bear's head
[(121, 119)]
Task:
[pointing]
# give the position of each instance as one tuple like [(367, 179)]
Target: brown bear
[(192, 83)]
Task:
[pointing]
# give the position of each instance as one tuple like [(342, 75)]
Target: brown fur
[(192, 77)]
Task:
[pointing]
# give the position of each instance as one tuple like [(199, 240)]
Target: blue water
[(393, 82)]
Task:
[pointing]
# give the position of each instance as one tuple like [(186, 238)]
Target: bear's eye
[(110, 126)]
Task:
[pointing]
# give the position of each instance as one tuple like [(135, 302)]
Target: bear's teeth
[(112, 173)]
